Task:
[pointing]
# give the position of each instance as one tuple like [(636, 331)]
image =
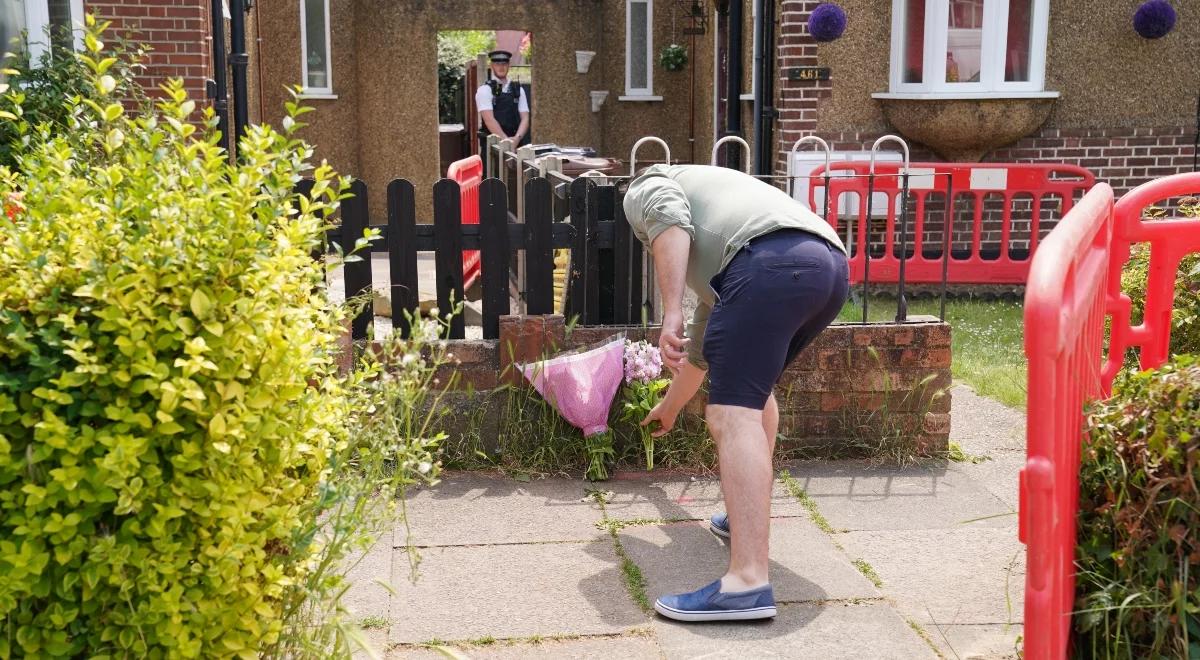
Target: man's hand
[(665, 415), (672, 345)]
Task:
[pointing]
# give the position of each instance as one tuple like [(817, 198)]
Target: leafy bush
[(47, 86), (178, 474), (1138, 585), (1185, 320)]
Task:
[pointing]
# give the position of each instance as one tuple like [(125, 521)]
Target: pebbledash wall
[(854, 384), (1126, 108)]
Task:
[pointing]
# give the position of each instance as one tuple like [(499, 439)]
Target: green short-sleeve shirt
[(721, 210)]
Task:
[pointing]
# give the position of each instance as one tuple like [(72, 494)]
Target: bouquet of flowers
[(580, 385), (643, 389)]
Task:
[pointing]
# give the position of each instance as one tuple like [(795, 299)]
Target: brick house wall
[(176, 32), (1122, 156)]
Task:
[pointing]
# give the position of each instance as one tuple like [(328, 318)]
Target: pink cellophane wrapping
[(581, 386)]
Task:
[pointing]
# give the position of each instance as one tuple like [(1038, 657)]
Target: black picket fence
[(604, 282)]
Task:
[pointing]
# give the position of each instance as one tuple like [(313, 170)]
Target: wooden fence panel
[(448, 255)]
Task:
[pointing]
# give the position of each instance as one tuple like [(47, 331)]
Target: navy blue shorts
[(776, 295)]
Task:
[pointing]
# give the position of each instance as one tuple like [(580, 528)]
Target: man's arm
[(493, 126), (523, 128), (683, 387), (670, 250)]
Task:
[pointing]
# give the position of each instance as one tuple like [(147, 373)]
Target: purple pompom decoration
[(827, 22), (1154, 19)]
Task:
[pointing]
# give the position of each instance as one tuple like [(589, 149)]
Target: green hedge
[(1138, 584), (168, 399)]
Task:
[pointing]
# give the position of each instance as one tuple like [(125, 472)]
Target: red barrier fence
[(1170, 241), (468, 172), (1074, 283), (1007, 207)]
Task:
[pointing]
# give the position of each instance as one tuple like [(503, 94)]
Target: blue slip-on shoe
[(710, 604), (719, 524)]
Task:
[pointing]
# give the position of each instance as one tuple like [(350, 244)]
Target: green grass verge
[(986, 340)]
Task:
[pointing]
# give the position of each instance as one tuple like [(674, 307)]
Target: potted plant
[(673, 57)]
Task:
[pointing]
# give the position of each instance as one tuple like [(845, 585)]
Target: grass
[(373, 622), (986, 340), (635, 582), (868, 572), (923, 635), (807, 502)]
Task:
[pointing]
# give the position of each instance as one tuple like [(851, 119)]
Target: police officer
[(503, 105)]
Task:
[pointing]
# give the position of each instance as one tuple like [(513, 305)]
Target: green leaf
[(201, 304)]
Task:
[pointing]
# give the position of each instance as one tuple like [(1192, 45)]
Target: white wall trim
[(920, 96)]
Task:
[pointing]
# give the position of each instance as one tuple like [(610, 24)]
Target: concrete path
[(921, 562)]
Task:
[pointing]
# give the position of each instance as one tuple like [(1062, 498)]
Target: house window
[(62, 18), (639, 50), (969, 47), (314, 47)]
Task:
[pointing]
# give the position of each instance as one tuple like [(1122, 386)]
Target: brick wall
[(176, 32), (854, 385)]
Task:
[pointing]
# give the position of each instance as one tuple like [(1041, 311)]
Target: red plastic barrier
[(1170, 241), (1074, 282), (1064, 331), (1037, 183), (468, 172)]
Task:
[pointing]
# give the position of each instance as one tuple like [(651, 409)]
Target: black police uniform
[(505, 105)]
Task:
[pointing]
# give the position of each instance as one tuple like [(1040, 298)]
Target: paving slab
[(369, 578), (805, 564), (509, 591), (478, 509), (820, 631), (984, 426), (998, 475), (853, 495), (630, 647), (977, 642), (688, 498), (947, 576)]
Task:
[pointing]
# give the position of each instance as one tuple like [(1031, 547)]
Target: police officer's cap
[(501, 56)]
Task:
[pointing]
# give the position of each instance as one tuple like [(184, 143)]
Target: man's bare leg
[(745, 458), (770, 424)]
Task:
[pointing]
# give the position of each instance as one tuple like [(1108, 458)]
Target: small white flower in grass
[(424, 467)]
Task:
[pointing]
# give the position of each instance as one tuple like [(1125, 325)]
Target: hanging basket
[(827, 22), (1154, 19), (673, 57)]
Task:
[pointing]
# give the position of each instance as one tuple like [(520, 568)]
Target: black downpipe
[(241, 63), (220, 91), (733, 83), (764, 95)]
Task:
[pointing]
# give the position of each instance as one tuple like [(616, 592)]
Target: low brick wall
[(855, 385)]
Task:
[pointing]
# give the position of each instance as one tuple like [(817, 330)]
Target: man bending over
[(770, 276)]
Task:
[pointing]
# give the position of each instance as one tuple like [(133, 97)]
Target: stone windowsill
[(640, 97)]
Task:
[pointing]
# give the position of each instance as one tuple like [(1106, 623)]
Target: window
[(966, 48), (639, 51), (314, 48), (35, 17)]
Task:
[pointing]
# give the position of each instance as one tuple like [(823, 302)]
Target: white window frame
[(992, 54), (639, 93), (327, 90), (37, 18)]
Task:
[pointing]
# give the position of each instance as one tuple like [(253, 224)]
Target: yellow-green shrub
[(168, 395)]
